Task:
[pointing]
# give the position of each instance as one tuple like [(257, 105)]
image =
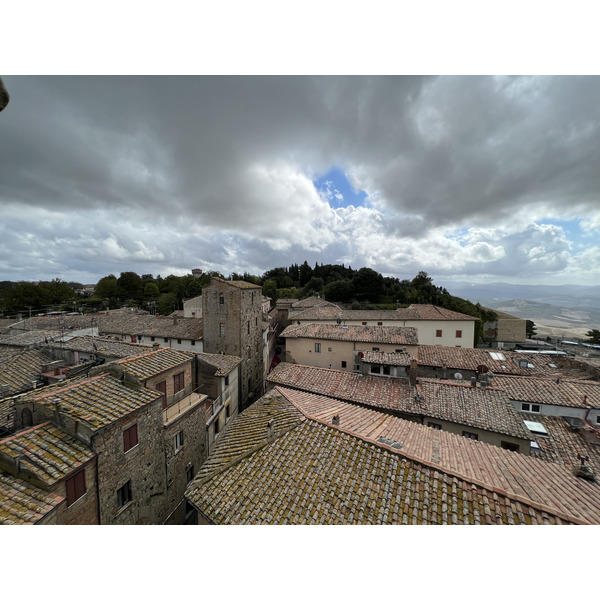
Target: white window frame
[(178, 441), (317, 347), (530, 406)]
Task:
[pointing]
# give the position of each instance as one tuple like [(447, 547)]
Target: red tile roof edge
[(469, 479)]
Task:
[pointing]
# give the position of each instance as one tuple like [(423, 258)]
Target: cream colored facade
[(442, 332), (336, 354)]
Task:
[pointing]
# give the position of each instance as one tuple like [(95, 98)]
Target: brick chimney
[(412, 371)]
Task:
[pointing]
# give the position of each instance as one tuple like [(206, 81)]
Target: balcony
[(181, 406)]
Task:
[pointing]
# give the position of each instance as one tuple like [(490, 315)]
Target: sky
[(250, 155), (469, 178)]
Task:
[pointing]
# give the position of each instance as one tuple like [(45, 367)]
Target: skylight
[(497, 356)]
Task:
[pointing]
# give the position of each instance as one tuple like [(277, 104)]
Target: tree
[(594, 336), (530, 329), (130, 286), (339, 291), (269, 289), (107, 287), (368, 284)]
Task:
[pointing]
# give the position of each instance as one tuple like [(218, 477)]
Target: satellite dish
[(457, 376), (482, 369), (361, 355)]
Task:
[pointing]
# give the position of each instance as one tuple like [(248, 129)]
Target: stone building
[(145, 453), (232, 315)]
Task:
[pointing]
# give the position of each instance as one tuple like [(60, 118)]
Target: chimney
[(336, 420), (483, 384), (412, 371), (156, 345), (270, 429), (584, 471), (473, 382), (175, 320)]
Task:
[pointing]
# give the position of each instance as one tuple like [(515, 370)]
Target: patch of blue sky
[(338, 191), (572, 229)]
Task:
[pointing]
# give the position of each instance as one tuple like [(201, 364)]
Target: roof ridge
[(24, 431)]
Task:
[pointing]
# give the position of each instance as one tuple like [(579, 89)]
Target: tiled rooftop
[(97, 401), (223, 363), (379, 392), (152, 363), (457, 403), (488, 409), (518, 474), (428, 312), (121, 322), (312, 473), (415, 312), (402, 336), (562, 444), (105, 347), (19, 368), (396, 359), (506, 362), (46, 452), (238, 283), (577, 393), (21, 504)]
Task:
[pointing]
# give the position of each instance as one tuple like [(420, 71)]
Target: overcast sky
[(468, 178)]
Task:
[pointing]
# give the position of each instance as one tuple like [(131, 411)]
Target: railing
[(213, 407), (181, 406)]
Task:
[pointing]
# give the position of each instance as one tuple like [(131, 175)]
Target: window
[(178, 441), (364, 322), (130, 438), (189, 473), (375, 369), (152, 339), (179, 341), (343, 364), (471, 436), (193, 342), (459, 333), (226, 379), (317, 347), (124, 495), (509, 446), (227, 411), (75, 487), (434, 425), (379, 323), (527, 407), (597, 419), (216, 426), (386, 369), (329, 349), (222, 329), (178, 382), (166, 340), (375, 349), (162, 388), (221, 298), (248, 326), (438, 333)]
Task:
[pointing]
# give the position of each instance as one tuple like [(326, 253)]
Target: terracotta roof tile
[(21, 504), (223, 363), (152, 363), (577, 393), (403, 336), (312, 473), (46, 452), (97, 401)]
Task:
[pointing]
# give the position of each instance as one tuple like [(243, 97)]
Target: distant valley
[(557, 310)]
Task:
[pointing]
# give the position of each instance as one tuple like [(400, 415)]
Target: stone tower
[(233, 325)]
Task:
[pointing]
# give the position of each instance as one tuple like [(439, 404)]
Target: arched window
[(26, 417)]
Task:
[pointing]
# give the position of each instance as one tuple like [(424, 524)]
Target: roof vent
[(270, 429), (336, 420)]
